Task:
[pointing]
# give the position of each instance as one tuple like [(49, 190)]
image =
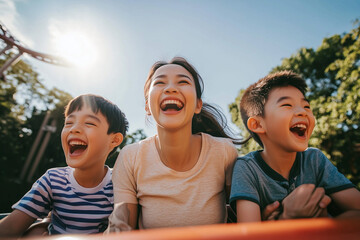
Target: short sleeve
[(37, 202), (330, 178), (243, 185), (123, 176)]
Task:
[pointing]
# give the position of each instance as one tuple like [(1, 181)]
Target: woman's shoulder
[(138, 149), (219, 145), (207, 138), (138, 145)]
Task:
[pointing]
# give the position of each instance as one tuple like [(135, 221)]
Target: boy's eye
[(286, 105), (90, 123), (308, 107), (68, 123)]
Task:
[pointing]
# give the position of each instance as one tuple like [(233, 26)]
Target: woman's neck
[(178, 150)]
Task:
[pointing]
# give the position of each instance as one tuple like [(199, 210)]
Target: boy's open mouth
[(172, 105), (299, 129), (77, 146)]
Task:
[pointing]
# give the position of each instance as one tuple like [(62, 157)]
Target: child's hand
[(271, 212), (305, 201)]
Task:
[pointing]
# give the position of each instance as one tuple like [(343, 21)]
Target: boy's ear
[(116, 140), (147, 110), (254, 125), (199, 104)]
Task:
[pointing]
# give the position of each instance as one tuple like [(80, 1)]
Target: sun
[(76, 47)]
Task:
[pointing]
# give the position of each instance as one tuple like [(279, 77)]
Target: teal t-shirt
[(256, 181)]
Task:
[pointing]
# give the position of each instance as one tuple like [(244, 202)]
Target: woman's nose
[(170, 88)]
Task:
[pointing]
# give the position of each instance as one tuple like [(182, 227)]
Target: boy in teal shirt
[(278, 116)]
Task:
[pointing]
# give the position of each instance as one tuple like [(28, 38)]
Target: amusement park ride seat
[(319, 229)]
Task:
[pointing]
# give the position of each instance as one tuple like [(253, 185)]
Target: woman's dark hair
[(210, 120)]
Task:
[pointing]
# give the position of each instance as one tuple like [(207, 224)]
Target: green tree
[(24, 101), (129, 139), (332, 73)]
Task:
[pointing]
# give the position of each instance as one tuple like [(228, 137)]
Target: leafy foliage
[(332, 73), (24, 103), (129, 139)]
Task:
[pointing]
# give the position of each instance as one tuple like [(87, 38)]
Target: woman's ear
[(147, 110), (116, 140), (254, 124), (199, 104)]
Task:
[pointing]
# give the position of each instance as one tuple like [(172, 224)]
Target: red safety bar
[(321, 228)]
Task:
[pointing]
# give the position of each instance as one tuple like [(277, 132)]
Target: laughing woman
[(180, 176)]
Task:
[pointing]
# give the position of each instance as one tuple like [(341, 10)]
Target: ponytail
[(212, 121)]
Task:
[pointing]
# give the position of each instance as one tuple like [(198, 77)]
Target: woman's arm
[(125, 213)]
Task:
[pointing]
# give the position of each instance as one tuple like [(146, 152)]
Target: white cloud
[(10, 19)]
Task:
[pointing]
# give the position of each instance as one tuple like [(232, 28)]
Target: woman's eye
[(158, 82), (308, 107), (183, 81), (68, 123)]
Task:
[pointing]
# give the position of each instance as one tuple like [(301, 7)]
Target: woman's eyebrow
[(160, 76), (183, 75), (177, 75)]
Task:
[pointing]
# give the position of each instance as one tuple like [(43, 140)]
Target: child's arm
[(15, 224), (349, 201), (247, 211)]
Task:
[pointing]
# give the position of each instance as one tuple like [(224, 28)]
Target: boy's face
[(288, 121), (84, 139)]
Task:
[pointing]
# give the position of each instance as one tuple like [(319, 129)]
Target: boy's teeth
[(300, 125), (76, 142)]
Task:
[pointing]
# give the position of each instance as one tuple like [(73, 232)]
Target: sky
[(232, 43)]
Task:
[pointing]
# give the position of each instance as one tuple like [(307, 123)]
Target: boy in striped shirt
[(79, 196)]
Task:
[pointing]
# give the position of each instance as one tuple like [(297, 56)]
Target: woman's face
[(172, 97)]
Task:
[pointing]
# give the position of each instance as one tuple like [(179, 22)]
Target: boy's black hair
[(255, 96), (114, 116)]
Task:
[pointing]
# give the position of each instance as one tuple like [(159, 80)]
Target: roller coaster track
[(12, 43)]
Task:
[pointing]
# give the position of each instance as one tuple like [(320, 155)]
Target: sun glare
[(76, 47)]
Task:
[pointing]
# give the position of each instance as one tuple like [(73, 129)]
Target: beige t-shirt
[(173, 199)]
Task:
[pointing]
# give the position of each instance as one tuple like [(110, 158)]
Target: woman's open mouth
[(171, 105)]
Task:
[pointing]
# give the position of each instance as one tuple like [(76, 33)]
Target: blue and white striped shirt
[(74, 209)]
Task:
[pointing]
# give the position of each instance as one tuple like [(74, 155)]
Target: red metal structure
[(12, 43)]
